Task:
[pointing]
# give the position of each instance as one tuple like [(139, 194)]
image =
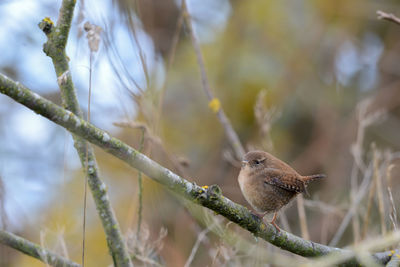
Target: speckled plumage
[(268, 183)]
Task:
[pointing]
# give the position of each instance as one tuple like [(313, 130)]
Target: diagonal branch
[(211, 197), (395, 260), (214, 103), (34, 250), (55, 49), (387, 16)]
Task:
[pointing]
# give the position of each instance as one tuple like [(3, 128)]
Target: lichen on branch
[(57, 37), (34, 250), (210, 197)]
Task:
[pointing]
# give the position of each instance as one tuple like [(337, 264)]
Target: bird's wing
[(285, 180)]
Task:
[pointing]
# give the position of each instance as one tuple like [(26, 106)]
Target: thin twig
[(140, 188), (87, 165), (3, 214), (387, 16), (116, 59), (265, 117), (170, 60), (196, 245), (302, 217), (353, 193), (393, 212), (323, 207), (351, 212), (357, 151), (379, 192), (142, 56), (364, 120), (214, 103), (371, 194), (93, 36), (174, 160)]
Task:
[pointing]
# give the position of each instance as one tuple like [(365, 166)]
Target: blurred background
[(315, 83)]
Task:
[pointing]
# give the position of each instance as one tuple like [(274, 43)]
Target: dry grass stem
[(302, 217), (3, 214), (170, 60), (196, 245), (364, 120), (216, 107), (179, 163), (379, 191), (146, 250), (265, 117), (93, 35), (372, 190), (324, 207), (353, 207), (393, 211)]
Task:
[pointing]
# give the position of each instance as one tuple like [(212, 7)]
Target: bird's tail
[(310, 178)]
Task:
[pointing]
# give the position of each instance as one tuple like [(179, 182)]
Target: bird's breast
[(242, 179), (260, 195)]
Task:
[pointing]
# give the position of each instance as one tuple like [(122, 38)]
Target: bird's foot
[(273, 222), (262, 215), (276, 226)]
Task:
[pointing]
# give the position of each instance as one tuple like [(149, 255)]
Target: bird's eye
[(256, 161)]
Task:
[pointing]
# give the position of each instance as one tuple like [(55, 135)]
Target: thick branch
[(34, 250), (395, 259), (55, 49), (211, 198)]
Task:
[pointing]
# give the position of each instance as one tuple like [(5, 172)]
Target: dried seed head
[(93, 35)]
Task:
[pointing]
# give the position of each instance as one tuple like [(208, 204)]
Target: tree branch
[(55, 49), (387, 16), (34, 250), (395, 259), (214, 103), (211, 197)]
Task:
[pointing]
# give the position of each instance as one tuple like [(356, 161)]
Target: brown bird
[(268, 183)]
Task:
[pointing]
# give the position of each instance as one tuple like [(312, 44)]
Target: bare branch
[(214, 102), (209, 197), (34, 250), (196, 245), (354, 204), (395, 260), (55, 49), (387, 16)]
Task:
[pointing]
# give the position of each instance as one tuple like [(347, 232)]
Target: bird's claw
[(276, 226)]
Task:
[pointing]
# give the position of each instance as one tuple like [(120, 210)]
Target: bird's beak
[(244, 163)]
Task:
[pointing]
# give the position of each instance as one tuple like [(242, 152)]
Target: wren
[(268, 183)]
